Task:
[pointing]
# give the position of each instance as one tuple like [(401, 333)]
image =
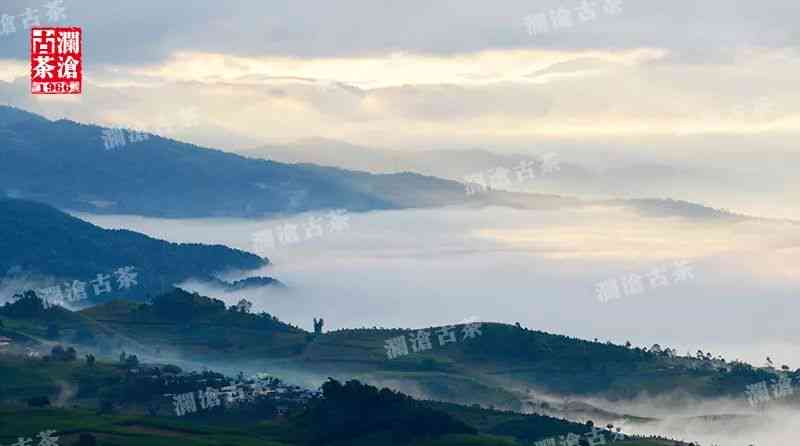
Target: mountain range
[(44, 247), (78, 167), (693, 180), (67, 165)]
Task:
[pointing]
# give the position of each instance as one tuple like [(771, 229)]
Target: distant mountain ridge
[(633, 186), (39, 241), (67, 164), (640, 179)]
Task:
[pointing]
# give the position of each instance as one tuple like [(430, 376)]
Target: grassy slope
[(23, 378), (217, 334), (124, 430), (495, 368), (506, 355), (476, 370)]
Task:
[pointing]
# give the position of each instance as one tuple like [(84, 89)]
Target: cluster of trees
[(59, 353), (181, 306), (354, 410), (537, 427), (129, 361), (25, 305)]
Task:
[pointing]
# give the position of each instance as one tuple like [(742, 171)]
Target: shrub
[(39, 401)]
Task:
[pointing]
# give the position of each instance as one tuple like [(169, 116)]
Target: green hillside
[(39, 242), (507, 356), (109, 403), (198, 327), (504, 366)]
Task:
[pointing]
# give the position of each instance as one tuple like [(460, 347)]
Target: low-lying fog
[(540, 268)]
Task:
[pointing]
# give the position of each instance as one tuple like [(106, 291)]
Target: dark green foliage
[(249, 282), (173, 369), (534, 428), (106, 407), (87, 440), (180, 306), (507, 342), (58, 353), (148, 385), (131, 361), (135, 412), (738, 377), (560, 363), (354, 410), (40, 239), (25, 305), (39, 401)]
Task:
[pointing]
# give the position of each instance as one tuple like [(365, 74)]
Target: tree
[(39, 401), (106, 407), (87, 439), (58, 353), (131, 361), (173, 369), (90, 360), (353, 410), (243, 306), (26, 304)]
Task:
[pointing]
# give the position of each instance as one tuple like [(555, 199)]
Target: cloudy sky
[(665, 78)]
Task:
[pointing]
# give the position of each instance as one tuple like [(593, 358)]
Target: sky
[(666, 80)]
